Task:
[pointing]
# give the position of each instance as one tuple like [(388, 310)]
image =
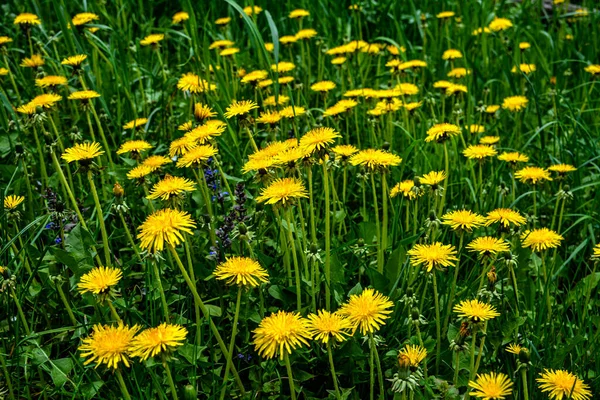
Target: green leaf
[(192, 353), (61, 368), (214, 310)]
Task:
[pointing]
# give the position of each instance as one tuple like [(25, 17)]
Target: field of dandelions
[(311, 200)]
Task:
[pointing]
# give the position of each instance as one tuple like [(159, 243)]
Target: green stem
[(456, 369), (286, 357), (206, 194), (377, 225), (20, 311), (481, 344), (103, 136), (100, 218), (130, 238), (170, 380), (126, 395), (292, 246), (333, 375), (42, 162), (437, 324), (384, 225), (313, 230), (6, 375), (524, 379), (515, 288), (206, 314), (546, 287), (453, 288), (113, 311), (232, 341), (378, 364), (163, 299), (327, 239), (63, 298)]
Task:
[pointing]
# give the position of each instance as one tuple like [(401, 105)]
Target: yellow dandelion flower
[(84, 95), (218, 44), (156, 162), (283, 66), (179, 17), (288, 39), (323, 86), (99, 280), (374, 159), (513, 157), (367, 311), (593, 69), (282, 191), (84, 18), (136, 123), (12, 201), (292, 111), (241, 271), (491, 109), (166, 226), (489, 140), (442, 132), (252, 10), (255, 76), (432, 178), (134, 146), (479, 151), (475, 311), (82, 152), (344, 150), (163, 339), (318, 139), (51, 81), (229, 51), (435, 255), (74, 61), (140, 172), (239, 108), (196, 156), (192, 83), (169, 187), (152, 40), (505, 216), (524, 68), (338, 60), (515, 103), (562, 169), (405, 188), (4, 71), (223, 21), (415, 354), (491, 386), (325, 325), (452, 54), (27, 19), (514, 348), (269, 117), (488, 245), (34, 61), (298, 13), (533, 175), (464, 220), (259, 164), (182, 145), (561, 384), (304, 34), (280, 333), (442, 84), (541, 239), (108, 345), (524, 45), (5, 40), (500, 24), (458, 73), (445, 14)]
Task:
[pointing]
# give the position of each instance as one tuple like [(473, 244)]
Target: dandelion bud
[(414, 313), (409, 292), (524, 355), (404, 364), (385, 146), (189, 392), (242, 229), (492, 277), (314, 249), (118, 190), (360, 242)]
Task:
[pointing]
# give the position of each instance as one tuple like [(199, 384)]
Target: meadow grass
[(304, 214)]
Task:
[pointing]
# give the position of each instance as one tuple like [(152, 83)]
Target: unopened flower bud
[(118, 190), (524, 355), (414, 313)]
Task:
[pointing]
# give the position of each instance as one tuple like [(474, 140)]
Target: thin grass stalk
[(292, 246), (206, 313), (332, 368), (232, 342), (327, 239), (122, 385), (100, 214), (438, 347), (288, 367)]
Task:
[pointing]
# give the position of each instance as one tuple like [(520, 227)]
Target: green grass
[(44, 317)]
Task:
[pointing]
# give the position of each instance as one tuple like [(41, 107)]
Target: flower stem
[(384, 225), (170, 380), (41, 157), (377, 225), (525, 388), (20, 311), (327, 238), (453, 288), (63, 298), (437, 324), (206, 314), (333, 375), (126, 395), (456, 369), (100, 218), (232, 342), (113, 311), (163, 299), (292, 246), (546, 287), (286, 357)]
